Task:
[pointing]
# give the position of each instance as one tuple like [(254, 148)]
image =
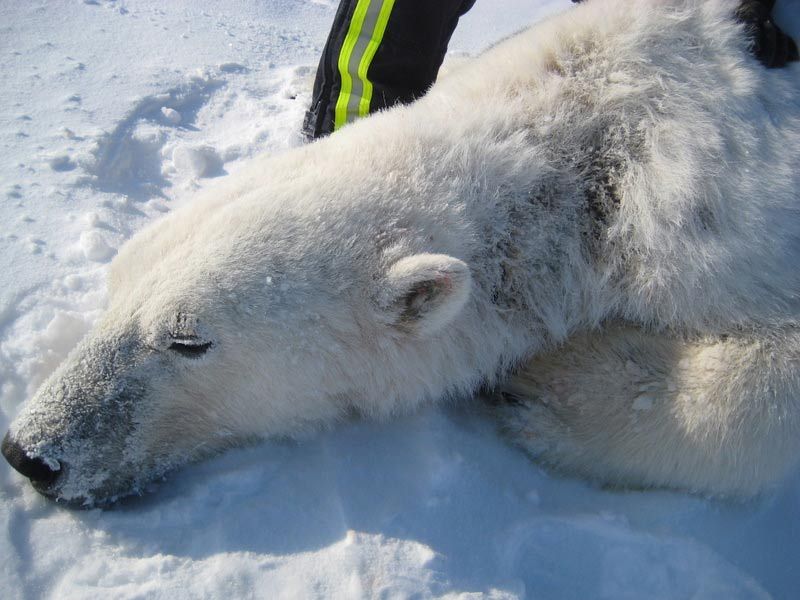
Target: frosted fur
[(620, 178)]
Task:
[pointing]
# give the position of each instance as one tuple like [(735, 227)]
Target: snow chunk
[(232, 67), (199, 161), (62, 162), (92, 219), (73, 282), (172, 115), (95, 247)]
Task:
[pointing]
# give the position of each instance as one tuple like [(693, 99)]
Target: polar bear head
[(257, 311)]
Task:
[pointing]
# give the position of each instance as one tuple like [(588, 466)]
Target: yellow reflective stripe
[(369, 54), (372, 15), (340, 115)]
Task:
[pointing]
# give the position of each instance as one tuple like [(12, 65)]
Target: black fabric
[(404, 66), (319, 117), (770, 45)]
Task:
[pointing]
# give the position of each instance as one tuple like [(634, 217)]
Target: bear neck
[(517, 217)]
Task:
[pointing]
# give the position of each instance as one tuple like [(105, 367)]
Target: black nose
[(34, 469)]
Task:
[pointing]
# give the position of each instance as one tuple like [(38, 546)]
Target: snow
[(115, 111), (94, 246), (172, 115)]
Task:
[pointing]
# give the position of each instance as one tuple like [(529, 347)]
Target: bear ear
[(424, 292)]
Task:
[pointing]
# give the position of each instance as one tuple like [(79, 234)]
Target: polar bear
[(596, 222)]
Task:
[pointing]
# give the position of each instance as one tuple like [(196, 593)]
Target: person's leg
[(379, 53), (770, 45)]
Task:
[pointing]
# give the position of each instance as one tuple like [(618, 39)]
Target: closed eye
[(190, 349)]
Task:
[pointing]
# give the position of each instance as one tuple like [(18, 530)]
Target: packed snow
[(115, 111)]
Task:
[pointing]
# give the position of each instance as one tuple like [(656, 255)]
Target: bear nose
[(34, 468)]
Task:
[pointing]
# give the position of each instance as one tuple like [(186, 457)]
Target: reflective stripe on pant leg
[(358, 49)]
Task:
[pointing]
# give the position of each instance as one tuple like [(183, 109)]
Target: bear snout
[(41, 474)]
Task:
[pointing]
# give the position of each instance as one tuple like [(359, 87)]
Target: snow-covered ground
[(111, 113)]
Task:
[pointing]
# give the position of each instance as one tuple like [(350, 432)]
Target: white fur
[(625, 162)]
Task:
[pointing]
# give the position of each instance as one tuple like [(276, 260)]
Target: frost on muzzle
[(79, 440)]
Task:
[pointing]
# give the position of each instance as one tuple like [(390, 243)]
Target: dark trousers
[(383, 52), (379, 53)]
